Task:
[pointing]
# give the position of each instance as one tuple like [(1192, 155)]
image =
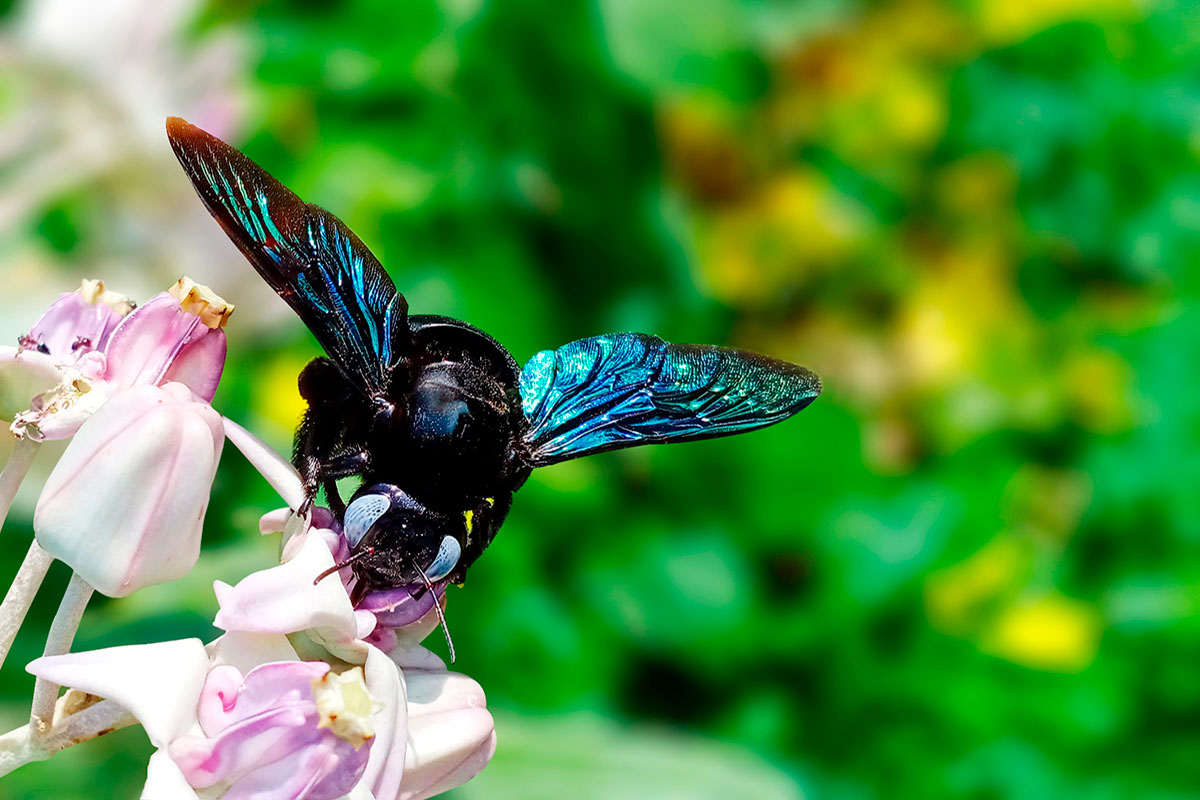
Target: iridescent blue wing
[(626, 389), (307, 255)]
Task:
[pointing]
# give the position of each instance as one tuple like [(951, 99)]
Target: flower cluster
[(306, 694), (249, 715), (132, 386)]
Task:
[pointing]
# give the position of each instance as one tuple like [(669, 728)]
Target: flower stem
[(58, 641), (24, 449), (23, 745), (20, 595)]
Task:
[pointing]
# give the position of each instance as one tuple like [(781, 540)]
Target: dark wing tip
[(806, 384), (191, 143), (810, 380), (180, 132)]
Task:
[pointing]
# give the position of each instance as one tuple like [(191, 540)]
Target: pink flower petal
[(283, 599), (262, 738), (416, 657), (61, 410), (433, 692), (124, 506), (216, 699), (228, 697), (381, 637), (159, 683), (274, 521), (460, 770), (402, 605), (199, 365), (413, 634), (148, 342), (72, 324), (275, 468)]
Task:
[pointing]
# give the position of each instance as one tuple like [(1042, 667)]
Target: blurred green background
[(970, 570)]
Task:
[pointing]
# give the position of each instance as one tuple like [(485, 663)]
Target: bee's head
[(395, 541)]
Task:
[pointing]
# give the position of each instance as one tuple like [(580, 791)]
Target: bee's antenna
[(437, 607), (355, 557)]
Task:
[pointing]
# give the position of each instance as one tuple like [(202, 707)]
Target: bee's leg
[(343, 465), (307, 444), (335, 408)]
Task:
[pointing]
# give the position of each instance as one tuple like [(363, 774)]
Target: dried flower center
[(94, 291), (202, 301), (74, 388)]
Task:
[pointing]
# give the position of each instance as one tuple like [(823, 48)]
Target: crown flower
[(92, 343), (248, 717), (125, 504)]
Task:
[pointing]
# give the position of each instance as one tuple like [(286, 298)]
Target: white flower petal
[(24, 374), (274, 521), (275, 468), (385, 769), (451, 735), (60, 411), (432, 692), (245, 651), (159, 683), (455, 768), (124, 506), (165, 781), (417, 657)]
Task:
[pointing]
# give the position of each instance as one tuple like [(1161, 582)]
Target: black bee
[(433, 413)]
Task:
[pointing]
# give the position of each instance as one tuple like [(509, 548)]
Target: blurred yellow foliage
[(977, 190), (1003, 21), (276, 396), (1048, 501), (958, 598), (1048, 632), (703, 150), (875, 90), (956, 311), (1097, 384), (912, 107), (793, 225)]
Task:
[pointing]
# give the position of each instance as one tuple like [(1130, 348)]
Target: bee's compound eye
[(445, 560), (362, 514)]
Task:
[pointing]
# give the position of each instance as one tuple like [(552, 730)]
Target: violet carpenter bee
[(434, 414)]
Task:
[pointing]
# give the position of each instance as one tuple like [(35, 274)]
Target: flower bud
[(175, 336), (125, 504), (456, 737)]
